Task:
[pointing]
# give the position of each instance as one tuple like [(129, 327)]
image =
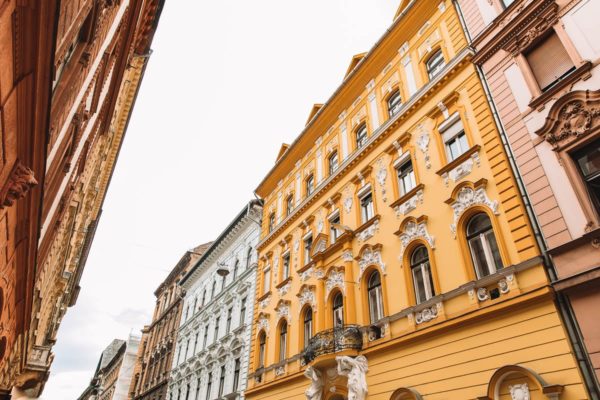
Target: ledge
[(583, 71), (264, 296), (283, 282), (367, 224), (459, 160), (407, 196)]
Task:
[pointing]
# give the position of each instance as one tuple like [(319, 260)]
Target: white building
[(212, 351)]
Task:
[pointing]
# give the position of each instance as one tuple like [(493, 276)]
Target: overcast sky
[(228, 82)]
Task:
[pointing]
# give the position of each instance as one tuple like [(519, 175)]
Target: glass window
[(455, 140), (216, 334), (406, 177), (289, 204), (307, 248), (394, 103), (221, 381), (375, 297), (249, 258), (266, 280), (435, 64), (262, 341), (366, 207), (228, 325), (308, 323), (283, 341), (271, 222), (310, 185), (205, 339), (204, 297), (483, 246), (334, 231), (588, 162), (209, 385), (285, 267), (236, 375), (338, 310), (421, 274), (243, 311), (213, 290), (333, 162), (361, 136), (236, 266)]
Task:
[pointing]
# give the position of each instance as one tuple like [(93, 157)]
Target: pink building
[(540, 61)]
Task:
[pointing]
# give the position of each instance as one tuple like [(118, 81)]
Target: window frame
[(334, 233), (289, 205), (375, 298), (307, 243), (481, 236), (283, 339), (285, 266), (433, 72), (337, 309), (361, 136), (262, 348), (367, 213), (429, 290), (332, 167), (306, 338), (398, 164), (271, 222), (393, 108)]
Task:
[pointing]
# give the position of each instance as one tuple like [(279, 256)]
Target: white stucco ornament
[(423, 143), (412, 231), (335, 279), (370, 257), (315, 390), (468, 197), (356, 370), (519, 392)]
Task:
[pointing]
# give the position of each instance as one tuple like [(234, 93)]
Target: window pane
[(548, 73), (478, 256), (493, 248), (419, 285)]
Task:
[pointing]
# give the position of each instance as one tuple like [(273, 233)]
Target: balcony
[(345, 337)]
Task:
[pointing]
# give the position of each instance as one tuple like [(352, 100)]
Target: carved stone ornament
[(519, 392), (413, 230), (306, 296), (410, 204), (428, 314), (315, 390), (263, 323), (370, 257), (462, 170), (423, 143), (572, 116), (369, 232), (265, 302), (306, 275), (381, 178), (468, 197), (519, 39), (347, 256), (348, 202), (482, 294), (279, 371), (19, 182), (335, 279), (283, 310), (282, 291), (356, 370)]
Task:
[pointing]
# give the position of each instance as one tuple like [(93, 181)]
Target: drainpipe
[(566, 312)]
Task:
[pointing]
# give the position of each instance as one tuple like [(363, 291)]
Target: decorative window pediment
[(572, 116), (306, 295), (370, 255), (412, 229), (335, 279), (283, 310), (468, 195)]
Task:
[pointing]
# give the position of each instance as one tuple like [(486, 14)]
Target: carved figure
[(315, 390), (355, 369)]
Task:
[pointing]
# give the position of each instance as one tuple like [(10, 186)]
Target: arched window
[(333, 162), (249, 257), (289, 204), (236, 266), (271, 222), (421, 274), (310, 185), (375, 297), (483, 246), (213, 290), (394, 103), (435, 64), (338, 310), (262, 343), (361, 136), (308, 326), (283, 341)]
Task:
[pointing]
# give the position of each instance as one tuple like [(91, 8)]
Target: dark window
[(588, 162), (228, 326), (236, 375), (334, 231), (435, 64), (197, 390), (421, 274), (213, 290), (375, 297), (366, 207), (289, 204), (221, 381), (338, 310), (285, 267), (333, 162), (361, 136), (307, 248), (310, 185), (271, 222), (187, 392), (283, 341), (249, 258), (406, 177), (205, 339), (308, 326), (243, 311), (204, 297), (262, 341), (394, 103), (216, 334), (483, 246), (209, 385), (236, 266)]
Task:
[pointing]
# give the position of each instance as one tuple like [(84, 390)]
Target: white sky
[(228, 82)]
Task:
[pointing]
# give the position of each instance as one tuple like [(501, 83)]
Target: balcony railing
[(332, 341)]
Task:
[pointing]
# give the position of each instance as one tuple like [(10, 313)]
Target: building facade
[(114, 372), (212, 353), (69, 74), (158, 339), (540, 60), (396, 258)]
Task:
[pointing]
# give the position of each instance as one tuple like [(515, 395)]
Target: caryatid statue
[(356, 370), (315, 390)]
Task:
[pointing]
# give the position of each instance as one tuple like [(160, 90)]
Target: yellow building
[(394, 234)]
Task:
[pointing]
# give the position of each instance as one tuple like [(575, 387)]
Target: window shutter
[(549, 61)]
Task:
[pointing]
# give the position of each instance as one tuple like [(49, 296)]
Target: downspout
[(566, 312)]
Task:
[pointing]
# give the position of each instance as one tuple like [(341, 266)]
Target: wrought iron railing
[(332, 341)]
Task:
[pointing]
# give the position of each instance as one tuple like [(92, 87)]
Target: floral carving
[(19, 182), (370, 257), (468, 197), (428, 314), (369, 232), (282, 291), (423, 143), (381, 178), (335, 279), (283, 310), (413, 230), (519, 392), (263, 323), (306, 296), (410, 204), (575, 119)]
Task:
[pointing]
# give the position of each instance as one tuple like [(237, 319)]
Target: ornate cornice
[(19, 183)]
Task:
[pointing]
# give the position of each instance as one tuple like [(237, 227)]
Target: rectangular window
[(422, 282), (266, 280), (406, 177), (271, 222), (307, 248), (334, 231), (453, 135), (243, 311), (588, 163), (216, 334), (289, 204), (205, 339), (222, 381), (333, 163), (228, 326), (361, 136), (285, 267), (366, 207), (310, 185), (549, 62), (236, 375), (209, 385)]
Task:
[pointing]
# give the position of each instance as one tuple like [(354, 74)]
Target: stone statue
[(315, 390), (355, 369)]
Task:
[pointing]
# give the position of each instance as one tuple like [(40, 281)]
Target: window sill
[(283, 282), (582, 72), (264, 296), (305, 267), (459, 160), (398, 204), (368, 229)]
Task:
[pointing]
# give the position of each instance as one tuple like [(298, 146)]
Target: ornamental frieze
[(19, 182)]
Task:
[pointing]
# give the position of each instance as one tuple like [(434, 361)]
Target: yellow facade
[(470, 335)]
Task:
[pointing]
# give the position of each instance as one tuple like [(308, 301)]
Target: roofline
[(344, 83), (244, 212)]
